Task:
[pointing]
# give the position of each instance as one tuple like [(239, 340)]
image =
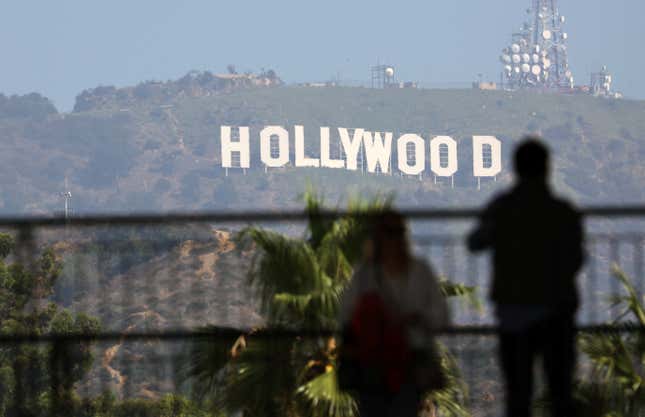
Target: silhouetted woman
[(389, 313)]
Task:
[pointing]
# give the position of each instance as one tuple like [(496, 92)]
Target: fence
[(155, 280)]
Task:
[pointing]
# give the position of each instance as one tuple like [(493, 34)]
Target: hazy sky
[(60, 48)]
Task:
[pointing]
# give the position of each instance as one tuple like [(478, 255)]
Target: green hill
[(162, 152)]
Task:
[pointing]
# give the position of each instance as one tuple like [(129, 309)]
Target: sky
[(60, 48)]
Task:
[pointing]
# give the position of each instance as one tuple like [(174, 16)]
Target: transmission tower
[(537, 56)]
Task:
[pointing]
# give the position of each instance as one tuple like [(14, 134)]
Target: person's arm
[(481, 237), (576, 241), (433, 311)]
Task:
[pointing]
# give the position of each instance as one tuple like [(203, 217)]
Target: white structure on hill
[(537, 55)]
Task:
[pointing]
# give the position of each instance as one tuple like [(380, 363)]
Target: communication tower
[(601, 83), (67, 195), (537, 56), (383, 76)]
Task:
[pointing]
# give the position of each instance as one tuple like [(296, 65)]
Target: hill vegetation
[(130, 152)]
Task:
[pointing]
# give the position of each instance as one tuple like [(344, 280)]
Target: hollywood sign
[(374, 147)]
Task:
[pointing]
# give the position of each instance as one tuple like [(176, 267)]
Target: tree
[(33, 376), (299, 283), (616, 384)]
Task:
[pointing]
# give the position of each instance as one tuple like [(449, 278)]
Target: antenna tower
[(383, 76), (67, 195), (537, 56)]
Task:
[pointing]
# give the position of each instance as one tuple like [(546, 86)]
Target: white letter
[(419, 154), (283, 146), (228, 146), (479, 170), (376, 151), (435, 156), (301, 159), (351, 146), (325, 160)]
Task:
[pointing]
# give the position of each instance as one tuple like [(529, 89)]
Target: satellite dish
[(526, 68), (562, 19), (544, 53), (517, 70), (515, 48), (546, 63), (606, 86), (547, 34), (536, 58), (516, 59), (522, 42), (508, 68), (568, 74), (506, 59), (526, 57), (537, 48), (536, 70), (389, 71), (565, 36)]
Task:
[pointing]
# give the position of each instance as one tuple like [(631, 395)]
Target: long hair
[(389, 226)]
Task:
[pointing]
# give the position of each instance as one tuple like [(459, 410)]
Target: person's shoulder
[(420, 267), (565, 212), (499, 200), (566, 207)]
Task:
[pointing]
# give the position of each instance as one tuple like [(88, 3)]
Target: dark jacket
[(536, 241)]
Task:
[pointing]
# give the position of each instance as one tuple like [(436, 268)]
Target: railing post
[(55, 382)]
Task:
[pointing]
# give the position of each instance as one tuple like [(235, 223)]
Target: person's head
[(531, 159), (390, 238)]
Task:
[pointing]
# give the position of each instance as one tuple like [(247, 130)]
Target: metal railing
[(102, 277)]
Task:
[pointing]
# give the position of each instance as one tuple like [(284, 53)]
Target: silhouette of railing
[(436, 234)]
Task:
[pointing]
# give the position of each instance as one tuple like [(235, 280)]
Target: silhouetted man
[(536, 242)]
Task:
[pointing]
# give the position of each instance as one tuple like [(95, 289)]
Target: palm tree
[(616, 384), (299, 283)]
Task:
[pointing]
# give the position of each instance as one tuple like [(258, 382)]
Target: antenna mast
[(537, 56), (67, 195)]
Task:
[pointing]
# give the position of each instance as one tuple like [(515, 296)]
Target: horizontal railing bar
[(234, 333), (269, 216)]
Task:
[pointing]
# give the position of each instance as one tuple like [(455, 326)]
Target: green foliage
[(299, 282), (468, 293), (24, 309), (616, 384), (7, 243), (32, 106), (170, 405)]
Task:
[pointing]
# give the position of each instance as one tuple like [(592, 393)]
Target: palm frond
[(451, 401), (468, 293), (282, 265), (203, 365), (323, 398), (260, 380), (633, 301), (311, 311), (317, 226)]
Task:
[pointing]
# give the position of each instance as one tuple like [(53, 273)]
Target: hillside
[(126, 152), (162, 152), (181, 281)]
